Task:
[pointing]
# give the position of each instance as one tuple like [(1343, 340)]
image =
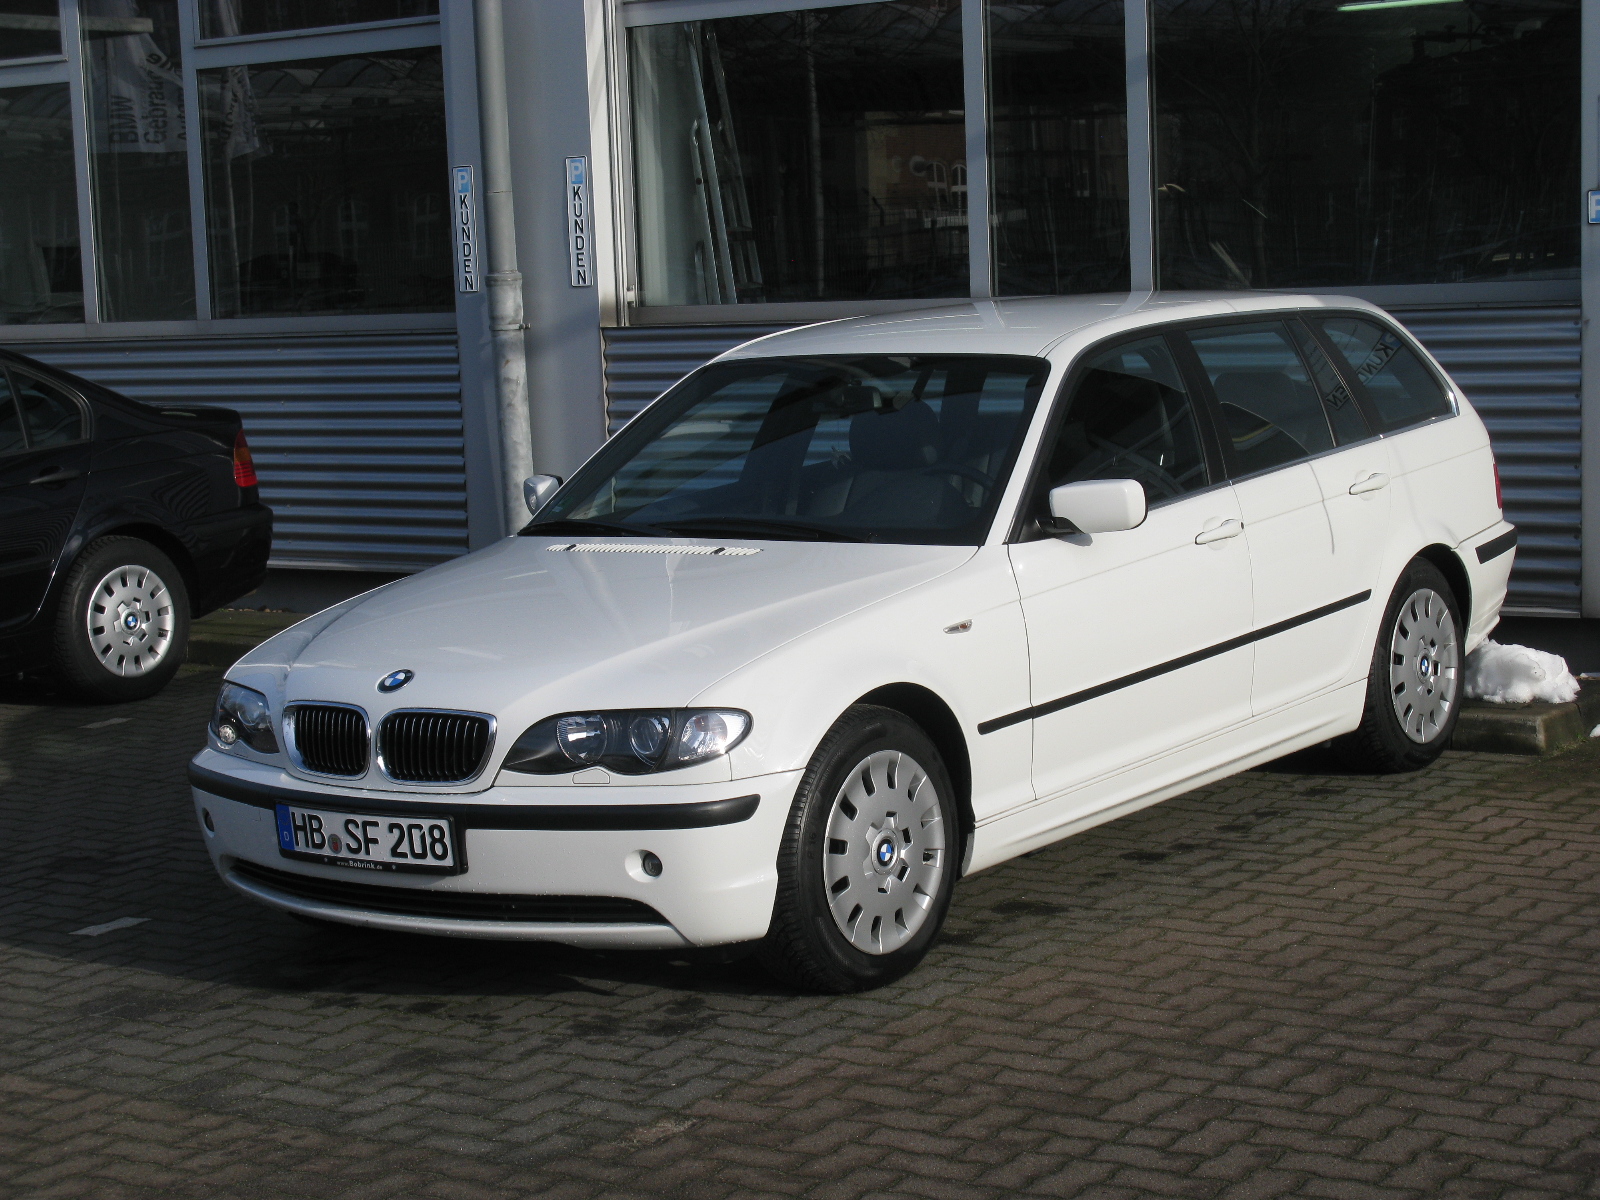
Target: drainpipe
[(504, 280)]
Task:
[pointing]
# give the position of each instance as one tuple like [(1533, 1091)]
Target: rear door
[(1313, 556), (44, 465)]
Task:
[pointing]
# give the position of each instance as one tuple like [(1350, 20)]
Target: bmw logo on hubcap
[(396, 680), (885, 852)]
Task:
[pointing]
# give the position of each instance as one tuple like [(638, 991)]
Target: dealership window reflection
[(325, 182), (1355, 142), (1059, 144), (41, 268), (231, 18), (138, 143), (807, 155)]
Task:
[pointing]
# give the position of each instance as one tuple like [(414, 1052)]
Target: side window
[(1344, 414), (1130, 417), (52, 417), (10, 422), (1270, 411), (1402, 390)]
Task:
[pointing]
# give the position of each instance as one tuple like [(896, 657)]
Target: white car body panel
[(795, 632)]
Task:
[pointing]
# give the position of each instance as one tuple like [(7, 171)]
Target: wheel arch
[(928, 709), (1455, 573), (163, 541)]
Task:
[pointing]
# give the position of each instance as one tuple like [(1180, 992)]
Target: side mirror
[(1099, 505), (536, 489)]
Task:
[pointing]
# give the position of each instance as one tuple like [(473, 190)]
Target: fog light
[(227, 734), (649, 864), (205, 815)]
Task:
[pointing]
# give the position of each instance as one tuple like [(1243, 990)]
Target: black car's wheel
[(868, 859), (1414, 687), (123, 621)]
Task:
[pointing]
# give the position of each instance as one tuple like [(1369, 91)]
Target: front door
[(1130, 634), (44, 459)]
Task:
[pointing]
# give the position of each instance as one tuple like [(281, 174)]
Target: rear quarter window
[(1403, 390)]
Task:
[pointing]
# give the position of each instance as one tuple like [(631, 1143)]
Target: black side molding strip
[(698, 815), (1176, 664), (1496, 547)]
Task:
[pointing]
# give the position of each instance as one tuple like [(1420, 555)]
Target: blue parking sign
[(1594, 208)]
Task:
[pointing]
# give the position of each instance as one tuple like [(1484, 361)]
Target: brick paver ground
[(1291, 984)]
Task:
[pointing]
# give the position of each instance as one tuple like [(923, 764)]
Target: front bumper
[(717, 848)]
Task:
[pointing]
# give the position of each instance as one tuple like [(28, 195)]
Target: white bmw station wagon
[(862, 607)]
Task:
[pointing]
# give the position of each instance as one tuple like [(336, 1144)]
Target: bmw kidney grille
[(330, 739), (433, 747)]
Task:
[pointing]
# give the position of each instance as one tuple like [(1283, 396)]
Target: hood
[(532, 626)]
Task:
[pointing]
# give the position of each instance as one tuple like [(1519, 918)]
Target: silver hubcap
[(1423, 662), (130, 620), (885, 855)]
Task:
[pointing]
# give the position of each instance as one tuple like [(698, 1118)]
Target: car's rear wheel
[(123, 621), (1414, 687), (868, 859)]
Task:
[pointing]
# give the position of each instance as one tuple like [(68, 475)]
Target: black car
[(119, 522)]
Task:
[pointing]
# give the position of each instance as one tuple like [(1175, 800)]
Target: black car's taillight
[(244, 467)]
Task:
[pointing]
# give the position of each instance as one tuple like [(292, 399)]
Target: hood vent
[(648, 548)]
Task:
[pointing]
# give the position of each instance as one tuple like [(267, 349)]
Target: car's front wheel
[(1414, 688), (123, 621), (868, 859)]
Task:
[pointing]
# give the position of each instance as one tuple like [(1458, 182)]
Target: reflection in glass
[(1327, 142), (911, 449), (138, 141), (230, 18), (801, 155), (325, 185), (29, 28), (41, 270), (1059, 146)]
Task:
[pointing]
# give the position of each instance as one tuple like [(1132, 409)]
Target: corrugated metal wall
[(1519, 367), (643, 362), (357, 437)]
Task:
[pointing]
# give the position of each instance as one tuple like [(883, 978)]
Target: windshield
[(901, 448)]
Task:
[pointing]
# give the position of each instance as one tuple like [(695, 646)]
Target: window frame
[(1025, 525), (1358, 389), (9, 372), (373, 37), (1286, 318)]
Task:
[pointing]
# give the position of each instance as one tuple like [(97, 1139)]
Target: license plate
[(366, 841)]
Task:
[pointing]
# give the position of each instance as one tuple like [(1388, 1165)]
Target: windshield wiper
[(756, 526), (587, 525)]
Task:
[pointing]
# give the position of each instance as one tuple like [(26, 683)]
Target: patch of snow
[(1519, 675)]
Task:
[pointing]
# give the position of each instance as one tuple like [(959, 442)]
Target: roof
[(1028, 325)]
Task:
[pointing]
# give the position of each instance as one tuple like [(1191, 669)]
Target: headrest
[(1110, 402), (895, 441), (1265, 393)]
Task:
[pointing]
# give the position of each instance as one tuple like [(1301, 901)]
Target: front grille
[(469, 906), (433, 747), (330, 739)]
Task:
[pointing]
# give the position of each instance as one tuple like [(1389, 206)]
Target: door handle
[(1228, 529), (1375, 482), (56, 475)]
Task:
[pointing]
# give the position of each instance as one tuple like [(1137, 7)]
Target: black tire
[(148, 657), (805, 945), (1380, 743)]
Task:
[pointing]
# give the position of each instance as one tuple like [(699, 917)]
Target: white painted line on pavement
[(109, 721), (109, 926)]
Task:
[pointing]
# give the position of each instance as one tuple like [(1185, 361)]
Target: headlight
[(627, 741), (243, 715)]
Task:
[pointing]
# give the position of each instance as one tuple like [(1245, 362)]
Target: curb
[(1527, 728)]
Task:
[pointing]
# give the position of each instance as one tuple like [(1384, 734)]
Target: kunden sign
[(466, 229), (579, 253)]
